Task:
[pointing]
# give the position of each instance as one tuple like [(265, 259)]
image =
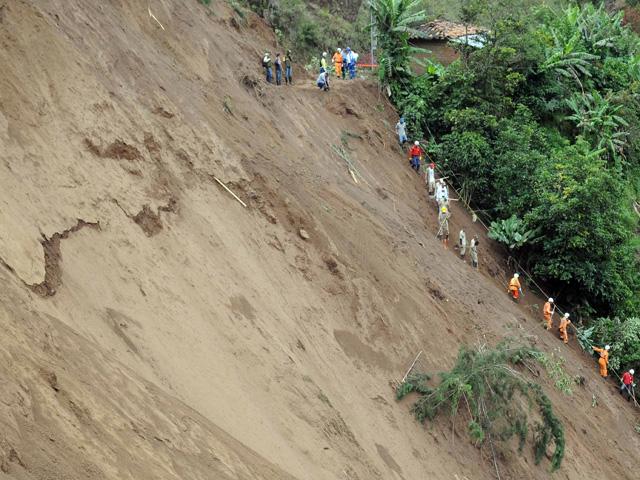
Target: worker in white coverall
[(462, 243)]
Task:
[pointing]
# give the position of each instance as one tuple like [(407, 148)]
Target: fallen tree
[(485, 387)]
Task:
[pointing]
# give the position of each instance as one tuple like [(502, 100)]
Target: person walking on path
[(564, 323), (474, 252), (430, 177), (547, 312), (462, 243), (278, 64), (603, 361), (443, 231), (626, 388), (288, 77), (401, 130), (415, 154), (337, 62), (266, 63), (515, 289)]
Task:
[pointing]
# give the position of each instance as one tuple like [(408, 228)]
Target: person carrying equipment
[(401, 130), (462, 243), (626, 389), (415, 155), (337, 62), (443, 220), (548, 311), (474, 252), (430, 177), (564, 323), (323, 81), (514, 287), (603, 361), (266, 64), (288, 78)]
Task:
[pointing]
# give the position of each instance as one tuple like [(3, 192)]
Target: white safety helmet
[(566, 315), (416, 143), (339, 50), (516, 275), (632, 371), (324, 54), (550, 300), (607, 347)]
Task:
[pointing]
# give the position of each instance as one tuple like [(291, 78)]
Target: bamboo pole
[(227, 189)]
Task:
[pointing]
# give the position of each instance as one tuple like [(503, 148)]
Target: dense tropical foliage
[(540, 129)]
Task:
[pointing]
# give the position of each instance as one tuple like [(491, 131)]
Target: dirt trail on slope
[(182, 304)]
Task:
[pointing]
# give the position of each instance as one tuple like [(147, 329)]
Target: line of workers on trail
[(439, 191), (343, 62)]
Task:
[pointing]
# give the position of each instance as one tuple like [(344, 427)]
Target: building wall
[(440, 50)]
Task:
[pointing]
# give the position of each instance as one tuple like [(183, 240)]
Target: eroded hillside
[(156, 328)]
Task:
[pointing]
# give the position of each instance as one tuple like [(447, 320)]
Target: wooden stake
[(154, 17), (227, 189), (411, 367)]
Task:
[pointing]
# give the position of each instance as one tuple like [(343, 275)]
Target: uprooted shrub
[(485, 387)]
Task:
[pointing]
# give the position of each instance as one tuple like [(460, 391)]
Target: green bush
[(484, 387)]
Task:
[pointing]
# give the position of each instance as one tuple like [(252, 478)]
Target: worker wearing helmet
[(564, 323), (514, 287), (401, 130), (430, 177), (443, 230), (323, 62), (626, 389), (337, 62), (603, 361), (548, 310), (415, 155)]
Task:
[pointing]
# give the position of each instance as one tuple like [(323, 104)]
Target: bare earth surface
[(153, 328)]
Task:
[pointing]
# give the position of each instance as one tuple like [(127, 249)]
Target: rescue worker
[(474, 252), (323, 62), (462, 243), (401, 130), (288, 77), (266, 63), (353, 70), (430, 177), (443, 231), (603, 361), (323, 81), (626, 389), (564, 323), (337, 62), (442, 194), (514, 287), (548, 311), (344, 64), (415, 154), (350, 61), (278, 64)]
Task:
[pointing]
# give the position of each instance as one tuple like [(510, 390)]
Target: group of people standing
[(282, 64), (439, 192), (342, 61)]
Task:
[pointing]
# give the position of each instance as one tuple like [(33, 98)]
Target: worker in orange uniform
[(337, 62), (564, 323), (514, 287), (548, 311), (603, 361)]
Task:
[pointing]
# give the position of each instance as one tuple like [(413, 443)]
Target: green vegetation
[(394, 20), (540, 128), (309, 29), (486, 389)]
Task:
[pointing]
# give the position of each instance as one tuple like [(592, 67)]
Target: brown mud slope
[(154, 328)]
